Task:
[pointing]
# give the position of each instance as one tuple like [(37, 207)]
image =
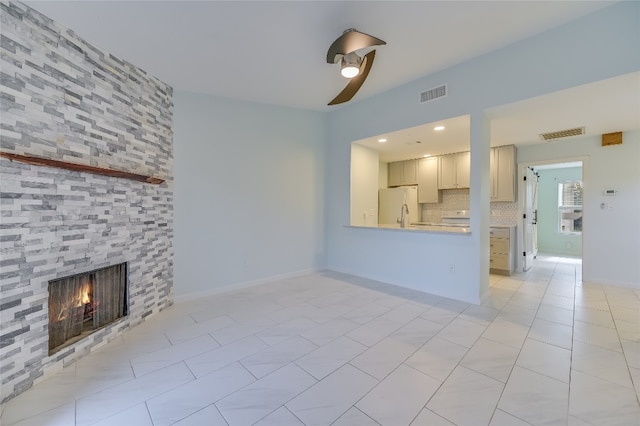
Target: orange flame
[(85, 295)]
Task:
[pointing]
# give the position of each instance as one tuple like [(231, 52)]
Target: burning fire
[(85, 295), (83, 298)]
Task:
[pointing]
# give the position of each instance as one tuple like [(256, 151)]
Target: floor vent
[(577, 131), (433, 93)]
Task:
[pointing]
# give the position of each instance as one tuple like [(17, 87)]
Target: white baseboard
[(240, 285)]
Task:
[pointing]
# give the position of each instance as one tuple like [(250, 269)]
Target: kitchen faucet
[(404, 216)]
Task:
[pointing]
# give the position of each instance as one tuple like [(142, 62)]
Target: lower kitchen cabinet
[(502, 250)]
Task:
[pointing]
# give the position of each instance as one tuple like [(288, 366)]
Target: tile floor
[(329, 349)]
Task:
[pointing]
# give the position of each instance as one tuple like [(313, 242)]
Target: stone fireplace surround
[(64, 99)]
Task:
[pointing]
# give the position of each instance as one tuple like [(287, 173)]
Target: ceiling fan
[(352, 66)]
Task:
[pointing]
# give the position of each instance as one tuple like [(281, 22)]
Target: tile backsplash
[(503, 214)]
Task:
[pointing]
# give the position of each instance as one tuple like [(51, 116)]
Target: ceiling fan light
[(350, 66), (349, 71)]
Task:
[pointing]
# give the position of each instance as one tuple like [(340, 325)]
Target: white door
[(529, 239)]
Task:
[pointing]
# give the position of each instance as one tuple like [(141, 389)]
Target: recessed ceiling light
[(426, 155), (382, 140), (438, 128)]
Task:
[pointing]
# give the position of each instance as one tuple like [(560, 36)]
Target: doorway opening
[(552, 223)]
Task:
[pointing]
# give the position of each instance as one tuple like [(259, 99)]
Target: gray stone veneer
[(64, 99)]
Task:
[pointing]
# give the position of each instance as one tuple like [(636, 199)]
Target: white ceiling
[(274, 52), (605, 106)]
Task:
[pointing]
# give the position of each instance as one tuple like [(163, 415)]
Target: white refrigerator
[(390, 201)]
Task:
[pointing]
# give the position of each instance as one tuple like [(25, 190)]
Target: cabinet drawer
[(499, 232), (498, 245), (499, 261)]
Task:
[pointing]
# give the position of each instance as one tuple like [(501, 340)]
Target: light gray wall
[(592, 48), (364, 186), (550, 239), (249, 200)]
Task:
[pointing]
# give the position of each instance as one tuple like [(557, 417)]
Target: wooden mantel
[(80, 168)]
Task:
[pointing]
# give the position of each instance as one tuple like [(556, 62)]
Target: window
[(570, 207)]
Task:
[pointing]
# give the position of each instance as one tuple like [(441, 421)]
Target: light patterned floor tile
[(264, 362), (598, 317), (264, 396), (383, 358), (601, 402), (374, 331), (209, 416), (500, 418), (63, 415), (323, 334), (427, 417), (330, 398), (437, 358), (281, 417), (152, 361), (555, 314), (462, 332), (491, 358), (183, 401), (137, 415), (551, 333), (355, 417), (228, 354), (399, 397), (466, 398), (119, 398), (602, 363), (278, 334), (383, 330), (596, 335), (328, 358), (535, 398), (551, 361), (507, 332)]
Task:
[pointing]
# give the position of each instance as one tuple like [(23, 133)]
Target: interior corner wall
[(249, 201), (365, 176), (64, 99), (601, 45)]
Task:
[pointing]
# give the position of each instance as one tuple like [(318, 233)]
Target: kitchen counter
[(421, 228)]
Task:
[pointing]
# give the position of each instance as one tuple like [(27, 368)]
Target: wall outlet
[(452, 269), (567, 245)]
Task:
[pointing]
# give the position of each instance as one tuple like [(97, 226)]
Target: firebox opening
[(81, 304)]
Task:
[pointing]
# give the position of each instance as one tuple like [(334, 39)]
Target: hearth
[(83, 303)]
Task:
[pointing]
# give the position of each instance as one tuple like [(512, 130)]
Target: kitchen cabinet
[(454, 171), (403, 173), (502, 247), (428, 180), (503, 173)]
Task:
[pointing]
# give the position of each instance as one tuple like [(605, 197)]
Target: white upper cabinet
[(503, 173), (428, 180), (403, 173), (454, 171)]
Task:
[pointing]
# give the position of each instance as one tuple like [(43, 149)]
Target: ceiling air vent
[(433, 93), (576, 131)]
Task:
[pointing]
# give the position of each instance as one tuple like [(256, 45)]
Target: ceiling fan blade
[(356, 82), (350, 41)]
